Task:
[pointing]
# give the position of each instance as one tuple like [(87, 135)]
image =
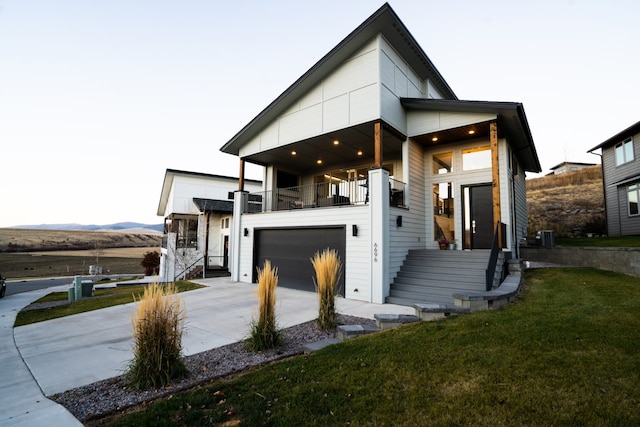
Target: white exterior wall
[(432, 92), (357, 267), (348, 96), (397, 80), (216, 237), (459, 178), (421, 122), (185, 188), (412, 234)]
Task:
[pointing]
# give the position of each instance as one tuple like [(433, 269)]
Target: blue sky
[(99, 98)]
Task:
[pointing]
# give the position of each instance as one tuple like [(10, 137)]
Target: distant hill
[(571, 204), (35, 240), (128, 227)]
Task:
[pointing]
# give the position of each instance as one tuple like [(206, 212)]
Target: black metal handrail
[(493, 259), (188, 269)]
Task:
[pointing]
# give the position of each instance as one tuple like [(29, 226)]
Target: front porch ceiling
[(355, 147), (458, 134)]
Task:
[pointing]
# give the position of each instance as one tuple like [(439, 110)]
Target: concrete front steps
[(433, 276), (465, 303), (387, 321)]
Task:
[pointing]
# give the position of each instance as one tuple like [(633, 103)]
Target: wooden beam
[(377, 138), (495, 180), (241, 177)]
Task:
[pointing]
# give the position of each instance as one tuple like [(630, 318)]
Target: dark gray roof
[(510, 116), (384, 21), (630, 131), (210, 205)]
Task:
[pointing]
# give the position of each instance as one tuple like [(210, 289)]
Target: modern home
[(621, 181), (371, 153), (565, 167), (198, 211)]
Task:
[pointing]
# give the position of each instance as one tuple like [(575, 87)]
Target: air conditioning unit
[(546, 238)]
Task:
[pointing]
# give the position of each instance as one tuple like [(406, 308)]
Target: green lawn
[(568, 353), (616, 241), (102, 298)]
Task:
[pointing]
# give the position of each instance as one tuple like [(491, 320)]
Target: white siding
[(397, 80), (421, 122), (350, 95), (358, 263), (412, 234), (432, 92), (185, 188)]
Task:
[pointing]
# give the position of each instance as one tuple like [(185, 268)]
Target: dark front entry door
[(478, 223), (225, 256)]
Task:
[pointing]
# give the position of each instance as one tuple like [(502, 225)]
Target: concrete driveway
[(73, 351)]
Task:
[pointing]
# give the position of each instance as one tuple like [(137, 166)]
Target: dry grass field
[(26, 240), (571, 204), (47, 253)]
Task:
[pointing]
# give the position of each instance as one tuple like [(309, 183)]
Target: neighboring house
[(569, 167), (371, 153), (197, 210), (621, 181)]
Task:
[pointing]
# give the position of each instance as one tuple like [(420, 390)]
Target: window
[(186, 228), (442, 163), (624, 152), (476, 158), (633, 193), (443, 223)]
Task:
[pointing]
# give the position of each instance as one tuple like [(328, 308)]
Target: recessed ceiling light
[(434, 139), (336, 142), (359, 152), (471, 132), (319, 161), (293, 153)]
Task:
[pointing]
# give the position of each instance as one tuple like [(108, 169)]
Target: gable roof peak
[(383, 21)]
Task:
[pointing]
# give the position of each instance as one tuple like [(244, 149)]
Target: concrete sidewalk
[(77, 350)]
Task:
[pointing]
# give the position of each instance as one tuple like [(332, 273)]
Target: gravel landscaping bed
[(108, 397)]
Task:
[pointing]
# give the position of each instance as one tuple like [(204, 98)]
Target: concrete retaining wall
[(621, 260)]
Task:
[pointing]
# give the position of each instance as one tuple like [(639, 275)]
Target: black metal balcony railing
[(343, 193)]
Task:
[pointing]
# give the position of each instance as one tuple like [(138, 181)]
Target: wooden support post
[(377, 138), (241, 177), (495, 180)]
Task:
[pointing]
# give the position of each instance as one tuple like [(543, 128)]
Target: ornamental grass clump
[(158, 323), (264, 331), (328, 268)]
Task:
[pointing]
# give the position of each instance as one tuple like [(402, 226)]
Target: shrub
[(151, 262), (264, 331), (596, 225), (328, 267), (158, 322)]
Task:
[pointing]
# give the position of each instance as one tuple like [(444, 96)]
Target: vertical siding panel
[(412, 233)]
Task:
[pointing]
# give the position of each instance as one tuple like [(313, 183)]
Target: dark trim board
[(291, 250)]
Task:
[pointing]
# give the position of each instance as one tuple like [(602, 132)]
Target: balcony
[(325, 194)]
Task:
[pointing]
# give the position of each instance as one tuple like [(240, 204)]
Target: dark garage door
[(291, 249)]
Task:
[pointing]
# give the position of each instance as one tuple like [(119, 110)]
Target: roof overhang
[(212, 205), (170, 174), (384, 21), (511, 118), (630, 131)]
